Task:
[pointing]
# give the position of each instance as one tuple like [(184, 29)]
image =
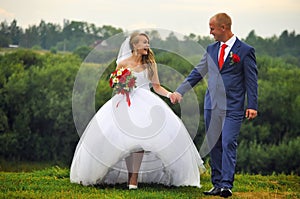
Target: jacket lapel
[(234, 49), (215, 54)]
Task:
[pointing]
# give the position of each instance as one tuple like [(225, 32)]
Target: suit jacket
[(228, 87)]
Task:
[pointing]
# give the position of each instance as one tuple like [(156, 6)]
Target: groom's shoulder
[(216, 43), (213, 45), (245, 45)]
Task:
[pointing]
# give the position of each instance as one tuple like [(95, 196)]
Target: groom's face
[(216, 30)]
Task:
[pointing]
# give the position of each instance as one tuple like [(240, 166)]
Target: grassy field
[(53, 182)]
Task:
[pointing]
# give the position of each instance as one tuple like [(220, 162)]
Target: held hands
[(175, 97)]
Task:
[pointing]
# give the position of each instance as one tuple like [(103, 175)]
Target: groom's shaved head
[(222, 19)]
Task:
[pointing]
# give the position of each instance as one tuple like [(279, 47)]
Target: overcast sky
[(266, 17)]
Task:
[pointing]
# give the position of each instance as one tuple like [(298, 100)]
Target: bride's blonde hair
[(147, 60)]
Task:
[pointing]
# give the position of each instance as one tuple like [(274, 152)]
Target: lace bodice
[(142, 80)]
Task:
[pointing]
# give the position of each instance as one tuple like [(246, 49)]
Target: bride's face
[(143, 45)]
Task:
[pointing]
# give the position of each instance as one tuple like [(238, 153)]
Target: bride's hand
[(175, 97)]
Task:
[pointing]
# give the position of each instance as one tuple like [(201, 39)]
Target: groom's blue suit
[(224, 104)]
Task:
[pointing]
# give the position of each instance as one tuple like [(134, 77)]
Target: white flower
[(119, 73), (115, 80)]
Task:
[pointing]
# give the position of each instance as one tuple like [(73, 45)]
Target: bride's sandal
[(132, 187)]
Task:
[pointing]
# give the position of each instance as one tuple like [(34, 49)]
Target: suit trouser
[(222, 129)]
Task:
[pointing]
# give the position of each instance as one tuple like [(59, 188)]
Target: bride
[(144, 142)]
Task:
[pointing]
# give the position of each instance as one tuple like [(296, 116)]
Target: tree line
[(76, 34), (52, 36)]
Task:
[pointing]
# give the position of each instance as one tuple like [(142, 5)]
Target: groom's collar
[(229, 42)]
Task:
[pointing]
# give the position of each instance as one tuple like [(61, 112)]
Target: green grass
[(53, 182)]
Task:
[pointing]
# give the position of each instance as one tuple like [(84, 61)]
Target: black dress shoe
[(213, 191), (225, 192)]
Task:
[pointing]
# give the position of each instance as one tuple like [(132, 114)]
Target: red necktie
[(221, 58)]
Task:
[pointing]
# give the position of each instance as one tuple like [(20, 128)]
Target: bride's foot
[(129, 177), (133, 181), (132, 187)]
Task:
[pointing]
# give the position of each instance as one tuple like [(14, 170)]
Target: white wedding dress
[(148, 124)]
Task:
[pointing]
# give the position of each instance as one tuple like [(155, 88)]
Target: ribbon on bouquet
[(127, 99)]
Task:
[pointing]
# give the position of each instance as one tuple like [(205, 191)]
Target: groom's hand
[(175, 97), (251, 114)]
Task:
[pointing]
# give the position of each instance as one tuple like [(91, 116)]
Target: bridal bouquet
[(122, 81)]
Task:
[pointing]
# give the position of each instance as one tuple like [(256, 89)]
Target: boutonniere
[(234, 58)]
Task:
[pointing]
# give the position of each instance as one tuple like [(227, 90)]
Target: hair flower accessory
[(122, 81), (234, 58)]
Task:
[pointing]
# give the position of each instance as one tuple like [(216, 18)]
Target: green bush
[(37, 104), (266, 159), (82, 52)]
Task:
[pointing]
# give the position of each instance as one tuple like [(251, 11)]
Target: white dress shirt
[(229, 44)]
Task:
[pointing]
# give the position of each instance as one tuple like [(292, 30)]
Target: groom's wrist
[(177, 93)]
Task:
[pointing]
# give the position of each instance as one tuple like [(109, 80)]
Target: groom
[(232, 77)]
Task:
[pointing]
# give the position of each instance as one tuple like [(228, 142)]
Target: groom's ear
[(223, 27)]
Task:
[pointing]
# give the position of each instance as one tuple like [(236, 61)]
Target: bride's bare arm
[(156, 85)]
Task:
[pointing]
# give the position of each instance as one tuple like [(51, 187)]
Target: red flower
[(131, 83), (111, 82), (126, 72), (234, 58), (114, 73), (122, 79)]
